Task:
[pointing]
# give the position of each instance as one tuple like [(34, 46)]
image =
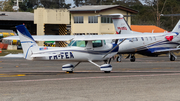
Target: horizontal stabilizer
[(45, 38), (112, 15), (167, 50)]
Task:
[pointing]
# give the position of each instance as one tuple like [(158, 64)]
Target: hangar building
[(84, 20), (8, 20)]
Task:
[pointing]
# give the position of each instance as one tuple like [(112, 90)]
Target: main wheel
[(132, 59), (107, 71), (69, 71), (118, 59), (172, 58)]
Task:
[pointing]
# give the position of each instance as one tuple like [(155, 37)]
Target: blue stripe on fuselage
[(90, 51)]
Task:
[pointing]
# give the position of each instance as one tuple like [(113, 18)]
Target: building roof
[(147, 28), (99, 8), (17, 16)]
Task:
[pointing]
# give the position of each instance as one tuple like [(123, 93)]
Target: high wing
[(44, 37), (88, 37), (118, 36)]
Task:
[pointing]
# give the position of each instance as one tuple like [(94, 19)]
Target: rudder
[(120, 24), (28, 43), (177, 27)]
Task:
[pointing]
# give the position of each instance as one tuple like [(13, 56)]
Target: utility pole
[(157, 14), (17, 6)]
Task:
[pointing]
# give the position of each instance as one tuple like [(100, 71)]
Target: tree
[(8, 5)]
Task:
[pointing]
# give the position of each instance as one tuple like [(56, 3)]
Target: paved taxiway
[(147, 79)]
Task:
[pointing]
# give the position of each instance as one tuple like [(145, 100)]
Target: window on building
[(92, 33), (79, 33), (92, 19), (78, 19), (106, 20)]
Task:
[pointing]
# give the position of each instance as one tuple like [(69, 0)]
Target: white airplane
[(89, 48), (148, 46)]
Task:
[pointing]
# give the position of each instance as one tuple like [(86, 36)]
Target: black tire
[(132, 59), (172, 58), (107, 71), (69, 71), (118, 59)]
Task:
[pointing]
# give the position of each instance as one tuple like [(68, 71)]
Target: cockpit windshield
[(78, 43)]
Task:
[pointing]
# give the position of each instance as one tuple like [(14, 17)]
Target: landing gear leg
[(107, 61), (107, 68), (69, 67), (118, 58)]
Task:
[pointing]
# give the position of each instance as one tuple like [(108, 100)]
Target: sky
[(70, 2)]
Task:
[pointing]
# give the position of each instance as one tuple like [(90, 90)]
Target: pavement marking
[(135, 69), (96, 77), (12, 75)]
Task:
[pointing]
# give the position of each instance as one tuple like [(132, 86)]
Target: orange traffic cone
[(0, 50)]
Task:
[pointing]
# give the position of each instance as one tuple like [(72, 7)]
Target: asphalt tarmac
[(147, 79)]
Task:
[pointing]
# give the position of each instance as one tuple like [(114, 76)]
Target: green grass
[(6, 52)]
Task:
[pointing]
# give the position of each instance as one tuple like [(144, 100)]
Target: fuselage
[(147, 45), (77, 53)]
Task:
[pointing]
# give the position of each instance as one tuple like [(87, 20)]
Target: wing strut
[(115, 47)]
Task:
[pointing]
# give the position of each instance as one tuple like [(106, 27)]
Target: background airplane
[(81, 49), (148, 46)]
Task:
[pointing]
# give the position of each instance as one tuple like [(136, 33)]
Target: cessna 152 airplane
[(148, 46), (83, 48)]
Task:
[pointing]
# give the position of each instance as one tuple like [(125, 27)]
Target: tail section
[(177, 27), (28, 43), (120, 24)]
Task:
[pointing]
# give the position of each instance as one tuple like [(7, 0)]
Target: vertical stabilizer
[(120, 24), (177, 27), (28, 43)]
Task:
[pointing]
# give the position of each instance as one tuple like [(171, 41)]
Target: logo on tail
[(120, 28)]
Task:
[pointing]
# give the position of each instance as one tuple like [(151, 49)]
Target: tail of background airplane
[(120, 23), (177, 27), (28, 43)]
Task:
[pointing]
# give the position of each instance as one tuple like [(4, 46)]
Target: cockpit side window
[(78, 43), (97, 43)]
